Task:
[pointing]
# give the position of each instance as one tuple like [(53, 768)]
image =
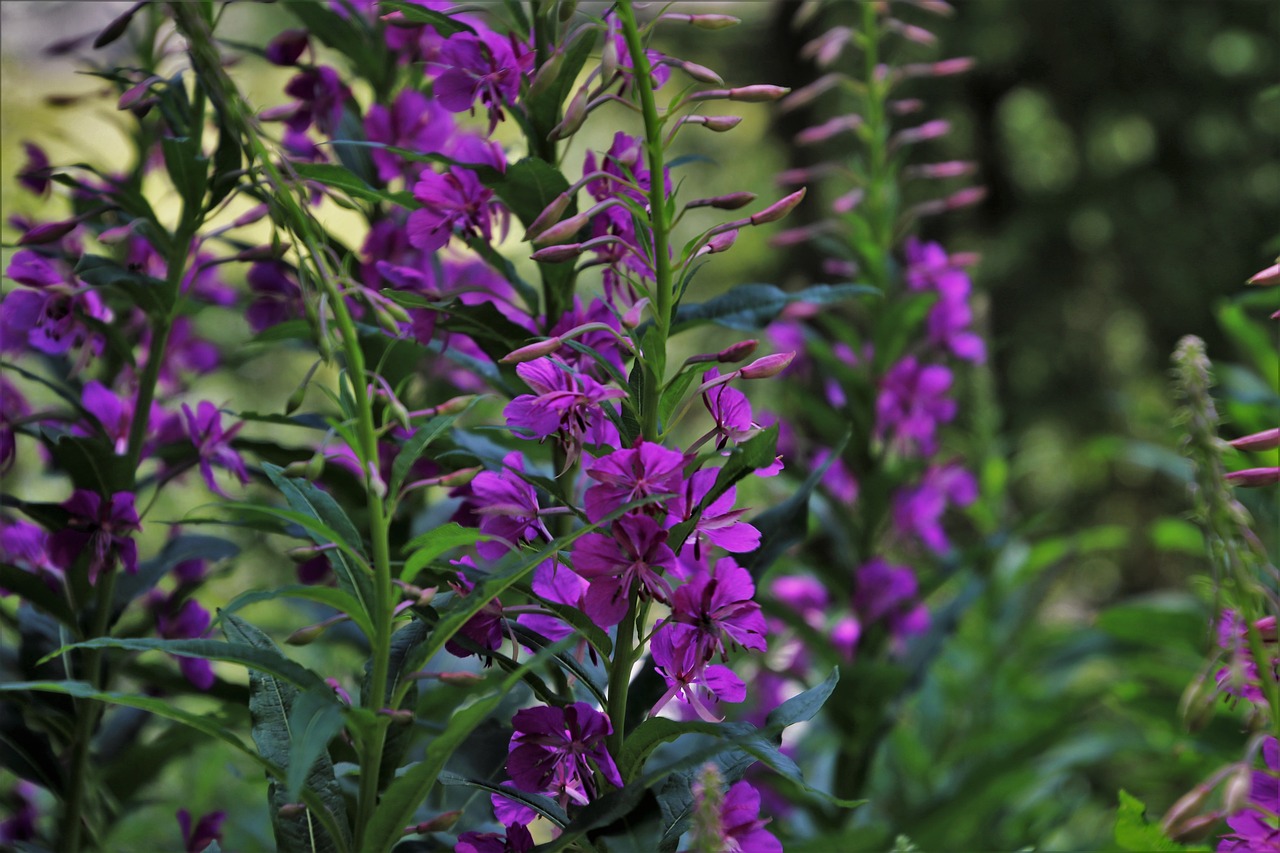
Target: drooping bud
[(546, 75), (529, 352), (828, 129), (1253, 478), (701, 73), (1269, 276), (737, 352), (374, 481), (1235, 797), (719, 243), (768, 366), (1194, 829), (1186, 806), (632, 318), (574, 115), (779, 209), (563, 230), (460, 679), (1268, 439), (132, 96), (719, 124), (47, 232), (442, 822), (732, 201), (705, 21), (808, 93)]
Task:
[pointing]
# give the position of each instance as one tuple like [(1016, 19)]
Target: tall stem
[(663, 293)]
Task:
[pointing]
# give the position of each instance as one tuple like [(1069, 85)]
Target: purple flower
[(557, 751), (929, 269), (455, 200), (660, 72), (507, 506), (50, 318), (276, 296), (114, 414), (625, 161), (565, 402), (101, 528), (20, 805), (601, 341), (719, 606), (839, 480), (286, 47), (911, 405), (556, 583), (720, 524), (321, 96), (744, 829), (13, 407), (34, 175), (26, 546), (412, 122), (1254, 831), (918, 510), (1240, 677), (485, 629), (636, 552), (184, 620), (481, 67), (185, 352), (205, 831), (678, 658), (886, 593), (624, 476), (730, 409), (213, 444), (515, 840)]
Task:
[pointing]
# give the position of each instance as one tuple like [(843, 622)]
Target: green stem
[(878, 207), (663, 293), (624, 658)]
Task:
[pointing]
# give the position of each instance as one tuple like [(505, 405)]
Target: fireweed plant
[(1244, 671), (514, 504)]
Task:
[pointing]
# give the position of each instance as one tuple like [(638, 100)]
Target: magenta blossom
[(454, 201), (719, 606), (929, 269), (26, 546), (184, 620), (565, 403), (49, 318), (558, 751), (678, 658), (720, 524), (101, 528), (516, 839), (213, 444), (1254, 830), (918, 510), (730, 409), (484, 68), (646, 470), (912, 404), (740, 822), (13, 407), (197, 837), (886, 593), (414, 122), (276, 296), (507, 506), (636, 552)]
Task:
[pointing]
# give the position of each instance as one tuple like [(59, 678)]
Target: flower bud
[(732, 201), (811, 92), (132, 96), (921, 133), (911, 32), (400, 716), (826, 48), (460, 477), (289, 810), (442, 822), (939, 171), (828, 129), (529, 352), (574, 115), (1266, 440), (632, 318), (701, 73), (779, 208), (705, 22), (719, 243), (305, 553), (546, 75), (768, 366), (250, 216), (460, 679), (760, 93), (906, 106), (374, 481), (1269, 276), (559, 254), (1254, 477), (1194, 829), (47, 232), (609, 60), (1186, 806), (563, 230), (309, 470), (719, 124), (737, 352), (1235, 797), (285, 48), (848, 201), (454, 404), (119, 234)]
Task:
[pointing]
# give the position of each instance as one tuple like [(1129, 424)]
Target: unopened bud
[(425, 596), (546, 75), (558, 254), (732, 201), (945, 68), (608, 60), (1254, 477), (549, 216), (921, 133), (292, 810), (306, 553), (1235, 797), (574, 115), (460, 477), (704, 22), (134, 94), (759, 93), (119, 234), (1265, 440), (1194, 829), (701, 73), (285, 48), (906, 106), (632, 318), (768, 366), (1269, 276), (563, 230), (250, 216), (401, 716), (911, 32), (826, 48), (778, 209), (1186, 806), (529, 352), (812, 91), (828, 129), (719, 243), (311, 469), (719, 124), (47, 232), (737, 352), (940, 171), (460, 679), (310, 633), (454, 404), (848, 201)]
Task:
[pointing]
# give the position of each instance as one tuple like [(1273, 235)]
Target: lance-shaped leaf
[(271, 705), (433, 543), (338, 599), (748, 307)]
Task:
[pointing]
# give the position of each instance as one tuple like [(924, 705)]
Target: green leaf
[(748, 307), (674, 393), (803, 706), (266, 659), (90, 462), (443, 23), (313, 721), (271, 704), (417, 445), (308, 499), (214, 727), (1134, 833), (540, 803), (339, 177), (427, 547), (153, 295), (403, 797), (187, 168), (338, 599), (32, 589)]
